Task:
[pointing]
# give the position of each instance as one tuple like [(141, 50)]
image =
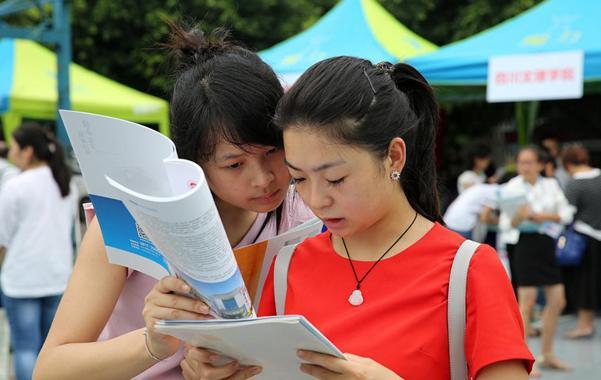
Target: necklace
[(356, 297)]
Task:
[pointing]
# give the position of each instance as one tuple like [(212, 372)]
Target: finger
[(171, 284), (201, 355), (318, 372), (323, 360), (246, 373), (188, 371), (167, 312), (177, 301), (209, 371)]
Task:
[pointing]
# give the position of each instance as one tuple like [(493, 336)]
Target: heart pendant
[(356, 298)]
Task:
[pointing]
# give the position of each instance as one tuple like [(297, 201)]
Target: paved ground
[(583, 355)]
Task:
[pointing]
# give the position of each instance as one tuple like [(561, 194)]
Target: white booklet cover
[(270, 342), (156, 211)]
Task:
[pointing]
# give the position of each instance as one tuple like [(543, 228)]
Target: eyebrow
[(319, 168), (230, 156)]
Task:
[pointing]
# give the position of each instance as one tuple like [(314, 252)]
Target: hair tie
[(385, 67)]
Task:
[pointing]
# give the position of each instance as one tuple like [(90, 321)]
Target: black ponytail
[(419, 175), (48, 149), (366, 105)]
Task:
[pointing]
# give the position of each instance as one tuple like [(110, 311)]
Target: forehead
[(527, 154), (308, 149), (225, 150)]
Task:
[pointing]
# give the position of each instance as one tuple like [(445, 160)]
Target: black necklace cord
[(359, 281)]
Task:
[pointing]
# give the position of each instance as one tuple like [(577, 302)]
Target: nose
[(262, 174), (315, 198)]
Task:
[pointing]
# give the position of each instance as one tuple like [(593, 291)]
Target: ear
[(397, 154), (27, 154)]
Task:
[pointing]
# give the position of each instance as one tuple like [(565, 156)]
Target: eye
[(296, 181), (337, 181), (271, 151), (234, 166)]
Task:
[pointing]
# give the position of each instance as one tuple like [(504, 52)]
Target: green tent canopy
[(28, 89)]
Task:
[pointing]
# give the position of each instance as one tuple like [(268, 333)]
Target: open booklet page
[(271, 342), (156, 211)]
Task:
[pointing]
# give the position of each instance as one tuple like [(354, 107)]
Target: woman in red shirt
[(376, 283)]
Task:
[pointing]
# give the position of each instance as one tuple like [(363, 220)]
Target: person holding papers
[(376, 283), (533, 227), (222, 107), (37, 208)]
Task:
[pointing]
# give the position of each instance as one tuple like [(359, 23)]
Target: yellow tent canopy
[(28, 89)]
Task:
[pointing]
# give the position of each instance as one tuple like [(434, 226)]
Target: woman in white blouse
[(533, 229)]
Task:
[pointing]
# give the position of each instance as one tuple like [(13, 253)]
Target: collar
[(588, 174)]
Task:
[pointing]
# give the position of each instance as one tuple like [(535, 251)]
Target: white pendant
[(356, 298)]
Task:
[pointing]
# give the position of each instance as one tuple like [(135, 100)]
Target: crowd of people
[(522, 214), (370, 177)]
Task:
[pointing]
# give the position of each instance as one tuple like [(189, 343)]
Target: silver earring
[(395, 175)]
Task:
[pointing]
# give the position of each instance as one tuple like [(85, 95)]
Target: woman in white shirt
[(533, 228), (36, 216)]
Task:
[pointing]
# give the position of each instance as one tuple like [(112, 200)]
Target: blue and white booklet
[(270, 342), (156, 212)]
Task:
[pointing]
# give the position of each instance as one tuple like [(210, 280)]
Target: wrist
[(152, 352)]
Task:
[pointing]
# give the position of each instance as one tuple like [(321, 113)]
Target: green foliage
[(119, 39)]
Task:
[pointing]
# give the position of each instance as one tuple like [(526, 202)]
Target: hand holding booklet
[(269, 342), (157, 214)]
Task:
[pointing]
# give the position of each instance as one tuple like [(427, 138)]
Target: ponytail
[(48, 149), (419, 175)]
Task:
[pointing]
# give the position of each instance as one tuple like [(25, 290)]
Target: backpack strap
[(456, 309), (280, 277)]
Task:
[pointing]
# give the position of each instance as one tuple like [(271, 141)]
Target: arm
[(488, 216), (2, 253), (85, 308), (507, 370)]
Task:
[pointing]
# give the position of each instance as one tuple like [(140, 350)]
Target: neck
[(531, 181), (236, 221), (371, 243), (34, 165), (581, 168)]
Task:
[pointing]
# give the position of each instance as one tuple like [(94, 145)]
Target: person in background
[(7, 170), (533, 228), (584, 192), (36, 218), (467, 210), (479, 158), (551, 144)]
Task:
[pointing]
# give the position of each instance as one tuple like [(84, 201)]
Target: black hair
[(45, 148), (3, 150), (222, 91), (477, 151), (575, 154), (357, 103), (538, 152)]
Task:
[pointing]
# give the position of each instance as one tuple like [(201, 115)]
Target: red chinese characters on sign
[(565, 74)]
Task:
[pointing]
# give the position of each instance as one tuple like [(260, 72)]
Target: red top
[(402, 322)]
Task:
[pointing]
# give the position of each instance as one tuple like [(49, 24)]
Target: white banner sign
[(541, 76)]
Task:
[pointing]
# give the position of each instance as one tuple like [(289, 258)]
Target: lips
[(267, 198)]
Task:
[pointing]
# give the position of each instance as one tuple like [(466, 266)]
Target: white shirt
[(545, 196), (7, 171), (463, 213), (469, 178), (35, 227)]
